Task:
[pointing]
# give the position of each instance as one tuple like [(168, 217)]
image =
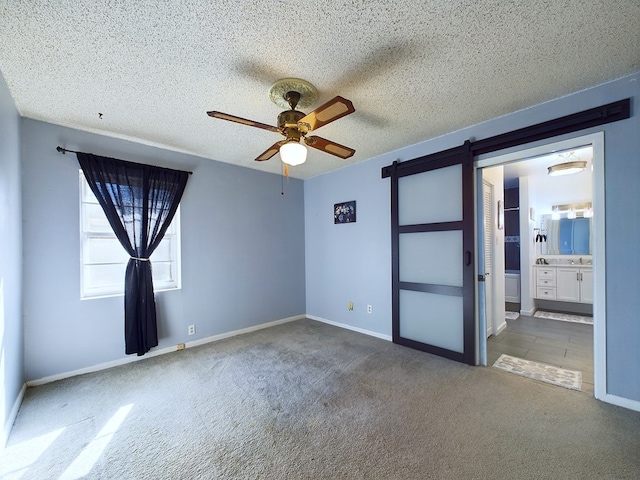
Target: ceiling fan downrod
[(292, 99)]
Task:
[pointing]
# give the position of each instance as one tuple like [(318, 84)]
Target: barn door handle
[(468, 258)]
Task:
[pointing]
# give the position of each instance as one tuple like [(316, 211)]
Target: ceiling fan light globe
[(293, 153)]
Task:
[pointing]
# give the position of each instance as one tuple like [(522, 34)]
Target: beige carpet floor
[(306, 400)]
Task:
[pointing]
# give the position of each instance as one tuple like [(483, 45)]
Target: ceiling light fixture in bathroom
[(566, 168), (571, 162)]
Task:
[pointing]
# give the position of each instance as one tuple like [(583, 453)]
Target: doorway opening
[(565, 344)]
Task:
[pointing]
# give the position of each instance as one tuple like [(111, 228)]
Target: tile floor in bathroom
[(563, 344)]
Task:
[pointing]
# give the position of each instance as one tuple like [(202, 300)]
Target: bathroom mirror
[(566, 236)]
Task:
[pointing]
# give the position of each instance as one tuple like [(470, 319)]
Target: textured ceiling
[(413, 69)]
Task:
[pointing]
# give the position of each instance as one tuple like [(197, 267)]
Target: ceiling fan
[(294, 124)]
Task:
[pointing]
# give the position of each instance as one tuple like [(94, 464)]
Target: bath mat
[(561, 377), (511, 315), (564, 317)]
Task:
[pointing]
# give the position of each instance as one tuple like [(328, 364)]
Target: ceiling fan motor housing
[(288, 124)]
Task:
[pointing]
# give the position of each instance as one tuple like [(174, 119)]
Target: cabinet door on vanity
[(568, 284), (586, 285)]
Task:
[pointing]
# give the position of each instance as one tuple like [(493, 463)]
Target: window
[(103, 260)]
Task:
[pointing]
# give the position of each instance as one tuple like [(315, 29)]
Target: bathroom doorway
[(561, 343)]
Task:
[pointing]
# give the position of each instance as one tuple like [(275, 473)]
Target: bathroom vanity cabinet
[(564, 283), (574, 284)]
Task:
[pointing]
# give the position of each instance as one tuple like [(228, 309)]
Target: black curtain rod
[(65, 150)]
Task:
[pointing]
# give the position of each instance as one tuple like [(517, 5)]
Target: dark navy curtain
[(139, 202)]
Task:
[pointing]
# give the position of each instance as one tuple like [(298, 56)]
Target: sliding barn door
[(433, 245)]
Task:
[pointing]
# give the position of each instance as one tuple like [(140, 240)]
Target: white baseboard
[(222, 336), (501, 327), (350, 327), (622, 402), (8, 425), (160, 351), (528, 313)]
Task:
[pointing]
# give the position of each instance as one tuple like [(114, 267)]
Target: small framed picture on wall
[(344, 212)]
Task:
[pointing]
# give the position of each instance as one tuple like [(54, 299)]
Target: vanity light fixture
[(572, 210), (566, 168), (500, 214)]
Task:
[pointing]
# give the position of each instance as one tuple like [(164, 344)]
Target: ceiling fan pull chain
[(283, 166)]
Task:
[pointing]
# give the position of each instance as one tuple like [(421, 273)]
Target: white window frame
[(172, 235)]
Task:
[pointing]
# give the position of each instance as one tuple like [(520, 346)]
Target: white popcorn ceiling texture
[(413, 69)]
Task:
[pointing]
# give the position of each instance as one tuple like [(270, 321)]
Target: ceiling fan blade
[(243, 121), (330, 111), (270, 152), (329, 146)]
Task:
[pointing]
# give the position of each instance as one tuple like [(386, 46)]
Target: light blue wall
[(349, 262), (11, 332), (242, 252), (353, 262)]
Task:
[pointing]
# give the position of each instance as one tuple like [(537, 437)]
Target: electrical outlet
[(369, 309), (192, 329), (350, 306), (180, 346)]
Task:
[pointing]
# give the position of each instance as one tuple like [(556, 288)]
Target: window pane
[(162, 273), (103, 279), (87, 194), (172, 230), (164, 251), (104, 250), (94, 219)]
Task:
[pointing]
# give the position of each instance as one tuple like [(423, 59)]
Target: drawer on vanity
[(546, 282), (545, 273), (546, 293)]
